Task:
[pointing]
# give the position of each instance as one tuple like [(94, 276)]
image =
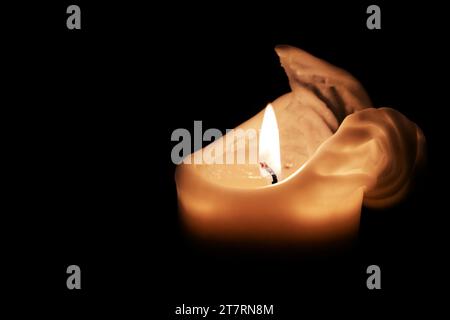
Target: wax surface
[(337, 153)]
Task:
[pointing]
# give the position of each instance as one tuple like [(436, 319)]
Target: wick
[(266, 167)]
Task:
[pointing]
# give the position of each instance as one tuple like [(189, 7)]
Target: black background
[(89, 118)]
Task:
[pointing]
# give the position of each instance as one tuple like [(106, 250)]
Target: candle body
[(341, 153)]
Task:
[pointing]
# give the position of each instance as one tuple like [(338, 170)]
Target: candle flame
[(269, 142)]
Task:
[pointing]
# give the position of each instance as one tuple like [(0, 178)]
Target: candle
[(330, 151)]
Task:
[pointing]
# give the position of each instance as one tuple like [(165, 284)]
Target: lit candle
[(329, 151)]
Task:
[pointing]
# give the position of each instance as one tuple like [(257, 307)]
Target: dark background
[(89, 118)]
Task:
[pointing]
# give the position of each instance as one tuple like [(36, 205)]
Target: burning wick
[(270, 171)]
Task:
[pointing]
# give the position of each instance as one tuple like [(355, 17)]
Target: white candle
[(326, 169)]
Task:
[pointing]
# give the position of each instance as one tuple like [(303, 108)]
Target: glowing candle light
[(330, 150), (269, 146)]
